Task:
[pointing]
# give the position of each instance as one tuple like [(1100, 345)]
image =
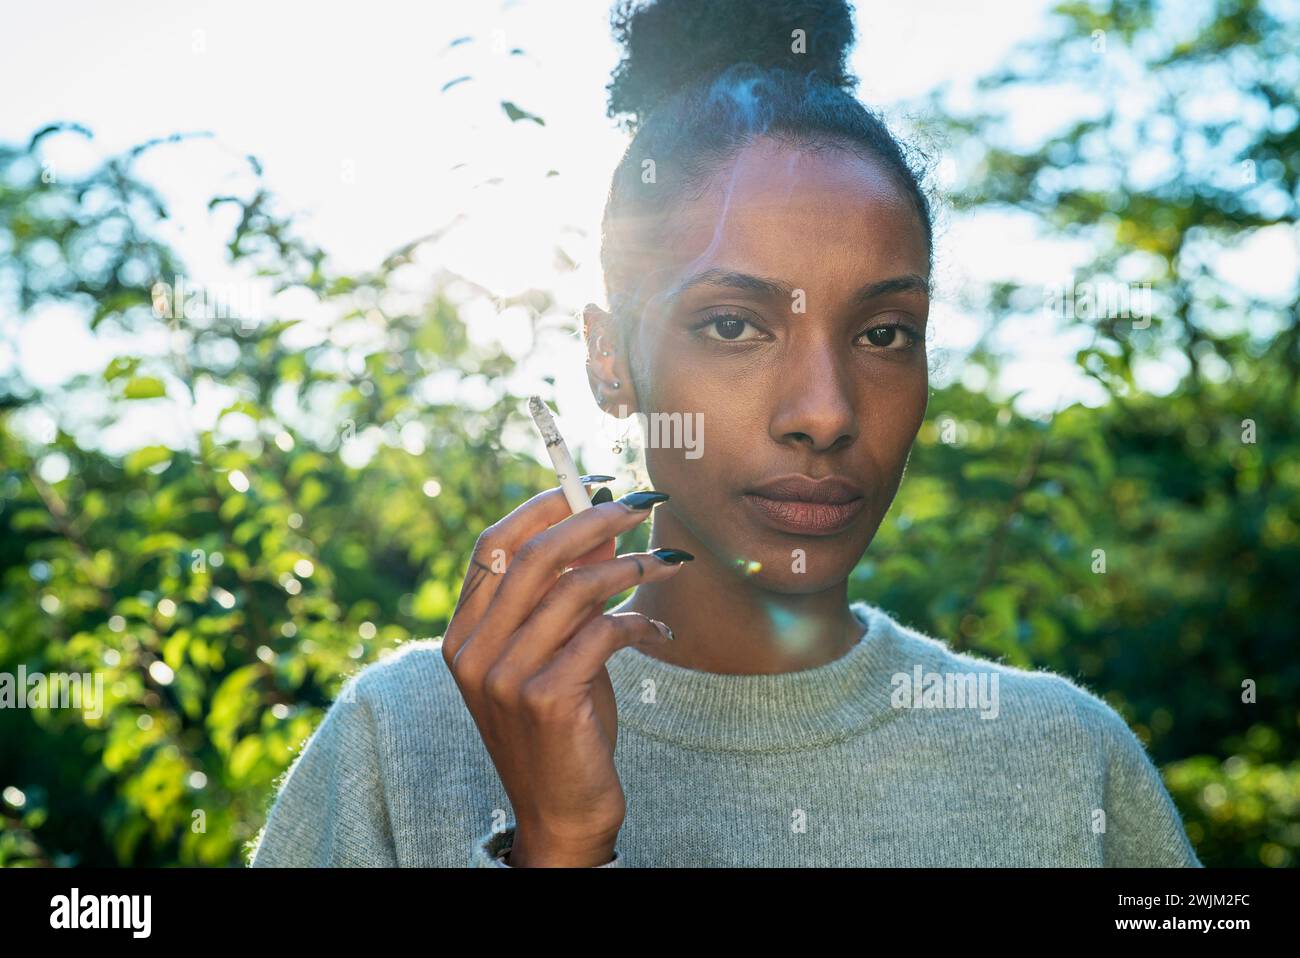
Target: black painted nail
[(595, 478), (672, 556), (602, 495), (664, 629), (643, 500)]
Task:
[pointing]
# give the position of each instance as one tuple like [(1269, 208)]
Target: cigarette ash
[(545, 422)]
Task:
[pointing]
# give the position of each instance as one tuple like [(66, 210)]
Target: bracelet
[(503, 860), (498, 846)]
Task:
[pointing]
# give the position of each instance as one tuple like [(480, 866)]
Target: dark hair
[(701, 79)]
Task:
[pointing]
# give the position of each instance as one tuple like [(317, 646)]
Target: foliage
[(225, 591), (1193, 492), (227, 586)]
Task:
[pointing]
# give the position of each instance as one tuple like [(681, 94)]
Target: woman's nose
[(815, 405)]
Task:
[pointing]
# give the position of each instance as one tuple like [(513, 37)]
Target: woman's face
[(785, 323)]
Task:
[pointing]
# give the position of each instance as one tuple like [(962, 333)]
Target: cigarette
[(565, 470)]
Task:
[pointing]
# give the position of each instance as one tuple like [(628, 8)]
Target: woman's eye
[(890, 336), (729, 328)]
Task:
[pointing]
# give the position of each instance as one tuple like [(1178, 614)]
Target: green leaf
[(121, 366), (244, 755), (145, 387), (28, 520), (249, 409), (516, 114), (140, 460), (160, 542)]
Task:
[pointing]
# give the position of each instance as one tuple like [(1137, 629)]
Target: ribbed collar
[(763, 713)]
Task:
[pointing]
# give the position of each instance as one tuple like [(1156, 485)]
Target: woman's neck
[(725, 622)]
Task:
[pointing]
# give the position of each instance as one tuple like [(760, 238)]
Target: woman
[(767, 251)]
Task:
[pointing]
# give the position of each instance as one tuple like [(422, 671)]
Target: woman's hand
[(527, 646)]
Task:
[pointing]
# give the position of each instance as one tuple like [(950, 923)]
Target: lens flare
[(794, 632)]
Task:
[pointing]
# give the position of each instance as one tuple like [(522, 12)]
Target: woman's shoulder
[(410, 683), (417, 661), (342, 799), (403, 713), (1034, 695)]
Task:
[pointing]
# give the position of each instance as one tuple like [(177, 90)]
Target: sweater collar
[(762, 713)]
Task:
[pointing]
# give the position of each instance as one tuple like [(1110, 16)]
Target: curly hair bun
[(671, 44)]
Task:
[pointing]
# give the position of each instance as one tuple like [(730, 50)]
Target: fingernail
[(643, 500), (595, 478), (672, 556), (663, 628), (602, 495)]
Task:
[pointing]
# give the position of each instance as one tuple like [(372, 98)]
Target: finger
[(609, 549), (577, 599), (575, 666), (602, 553), (540, 560), (491, 557)]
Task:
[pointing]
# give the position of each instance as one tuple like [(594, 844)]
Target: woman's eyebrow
[(909, 283), (731, 279)]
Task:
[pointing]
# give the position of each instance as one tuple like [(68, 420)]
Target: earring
[(620, 442)]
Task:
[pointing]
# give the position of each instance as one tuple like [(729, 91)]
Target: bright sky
[(342, 105)]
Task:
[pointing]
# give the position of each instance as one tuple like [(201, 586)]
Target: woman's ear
[(607, 368)]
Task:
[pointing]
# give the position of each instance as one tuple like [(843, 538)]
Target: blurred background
[(274, 282)]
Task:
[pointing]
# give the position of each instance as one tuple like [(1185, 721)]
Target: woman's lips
[(808, 518)]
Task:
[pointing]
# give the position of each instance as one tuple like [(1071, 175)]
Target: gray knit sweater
[(899, 753)]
